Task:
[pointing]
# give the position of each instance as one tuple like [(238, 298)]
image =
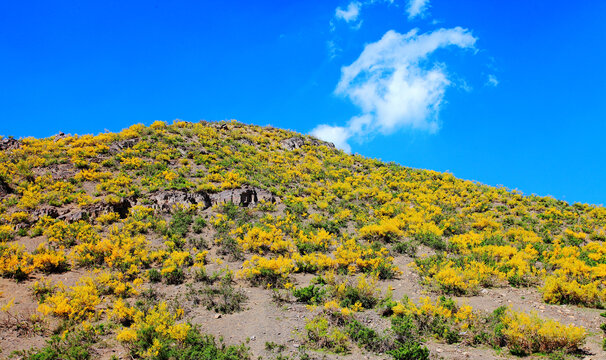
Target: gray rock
[(9, 143), (245, 141), (60, 135), (46, 210), (118, 146), (246, 196), (96, 209), (5, 188), (74, 216), (292, 143), (297, 142), (166, 199)]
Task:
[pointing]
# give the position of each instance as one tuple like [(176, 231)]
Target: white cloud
[(337, 135), (416, 8), (349, 14), (333, 49), (394, 86), (492, 80)]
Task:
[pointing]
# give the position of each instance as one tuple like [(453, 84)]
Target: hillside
[(231, 241)]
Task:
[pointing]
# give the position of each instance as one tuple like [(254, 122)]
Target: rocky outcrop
[(5, 189), (245, 141), (9, 143), (61, 135), (118, 146), (297, 142), (71, 214), (166, 199), (122, 208), (46, 210), (246, 196)]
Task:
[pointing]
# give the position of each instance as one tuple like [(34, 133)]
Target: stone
[(118, 146), (46, 210), (165, 200), (297, 142), (96, 209), (246, 196), (245, 141), (9, 143), (60, 135), (5, 189), (292, 143)]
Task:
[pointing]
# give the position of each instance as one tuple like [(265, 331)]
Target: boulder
[(246, 196), (5, 189), (297, 142), (118, 146), (292, 143), (9, 143), (165, 200), (60, 135), (47, 210), (96, 209), (245, 141)]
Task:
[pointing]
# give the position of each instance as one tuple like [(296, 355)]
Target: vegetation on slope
[(157, 204)]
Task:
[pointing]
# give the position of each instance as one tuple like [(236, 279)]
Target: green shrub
[(179, 224), (320, 334), (199, 224), (154, 275), (175, 277), (75, 345), (195, 346), (352, 295), (409, 351), (432, 240), (311, 295), (405, 247), (366, 337)]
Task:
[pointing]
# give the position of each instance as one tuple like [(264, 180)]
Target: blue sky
[(502, 92)]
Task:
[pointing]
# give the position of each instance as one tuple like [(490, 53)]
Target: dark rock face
[(45, 210), (97, 209), (5, 189), (61, 135), (246, 196), (121, 145), (87, 211), (220, 125), (298, 142), (165, 200), (292, 143), (9, 143), (245, 141)]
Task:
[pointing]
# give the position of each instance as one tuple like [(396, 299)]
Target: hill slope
[(138, 243)]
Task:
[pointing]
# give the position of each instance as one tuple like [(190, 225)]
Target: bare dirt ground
[(266, 320)]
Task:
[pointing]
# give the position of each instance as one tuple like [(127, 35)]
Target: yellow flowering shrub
[(526, 334)]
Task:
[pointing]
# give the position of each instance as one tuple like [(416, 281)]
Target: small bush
[(409, 351), (311, 294), (366, 337), (199, 224), (222, 298), (320, 334), (527, 334), (154, 275), (174, 277), (405, 247), (179, 225)]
